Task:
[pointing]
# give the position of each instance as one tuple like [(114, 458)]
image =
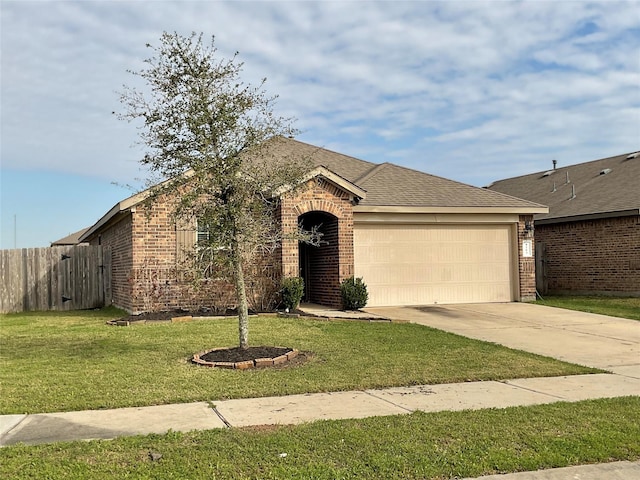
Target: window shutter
[(185, 241)]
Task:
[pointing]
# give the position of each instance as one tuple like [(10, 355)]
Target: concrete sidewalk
[(601, 471), (295, 409)]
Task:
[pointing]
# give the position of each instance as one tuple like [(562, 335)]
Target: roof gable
[(604, 187), (389, 185), (353, 190)]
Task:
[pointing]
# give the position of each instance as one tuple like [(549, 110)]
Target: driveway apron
[(599, 341)]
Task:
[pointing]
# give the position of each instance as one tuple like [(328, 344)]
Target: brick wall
[(158, 282), (118, 238), (147, 277), (320, 196), (526, 265), (593, 256)]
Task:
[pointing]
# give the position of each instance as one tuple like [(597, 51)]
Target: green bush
[(354, 293), (292, 292)]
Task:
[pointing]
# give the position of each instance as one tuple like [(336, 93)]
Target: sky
[(474, 91)]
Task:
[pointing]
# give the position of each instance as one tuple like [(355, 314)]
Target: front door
[(319, 264), (305, 269)]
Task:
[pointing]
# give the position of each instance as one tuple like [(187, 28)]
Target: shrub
[(292, 291), (354, 293)]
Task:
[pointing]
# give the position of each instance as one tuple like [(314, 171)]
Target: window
[(202, 233)]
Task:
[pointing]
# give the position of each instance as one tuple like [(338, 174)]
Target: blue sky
[(469, 90)]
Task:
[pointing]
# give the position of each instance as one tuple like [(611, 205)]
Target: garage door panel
[(423, 264)]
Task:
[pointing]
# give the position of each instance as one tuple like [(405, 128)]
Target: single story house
[(413, 237), (589, 241)]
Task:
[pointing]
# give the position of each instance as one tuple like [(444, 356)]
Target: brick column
[(289, 248), (526, 266), (319, 196)]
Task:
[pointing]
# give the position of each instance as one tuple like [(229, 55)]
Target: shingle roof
[(349, 168), (608, 186), (71, 239), (387, 184)]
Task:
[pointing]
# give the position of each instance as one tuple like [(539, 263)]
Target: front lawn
[(417, 446), (68, 361), (625, 307)]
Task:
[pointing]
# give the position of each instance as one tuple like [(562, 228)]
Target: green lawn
[(417, 446), (72, 361), (625, 307)]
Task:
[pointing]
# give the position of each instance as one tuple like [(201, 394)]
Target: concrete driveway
[(599, 341)]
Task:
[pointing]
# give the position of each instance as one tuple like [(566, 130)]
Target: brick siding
[(526, 266), (145, 274), (593, 256), (332, 264), (119, 240)]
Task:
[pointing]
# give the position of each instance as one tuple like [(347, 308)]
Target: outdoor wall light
[(528, 229)]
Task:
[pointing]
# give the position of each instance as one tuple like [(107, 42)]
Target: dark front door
[(303, 262), (319, 264)]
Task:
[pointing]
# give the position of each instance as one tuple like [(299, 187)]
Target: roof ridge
[(622, 156), (328, 150), (371, 172)]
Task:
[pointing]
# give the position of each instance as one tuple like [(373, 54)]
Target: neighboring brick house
[(413, 237), (589, 242)]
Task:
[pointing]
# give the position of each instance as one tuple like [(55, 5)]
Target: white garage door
[(427, 264)]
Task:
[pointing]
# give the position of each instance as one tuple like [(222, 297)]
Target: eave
[(118, 209), (588, 216), (529, 210)]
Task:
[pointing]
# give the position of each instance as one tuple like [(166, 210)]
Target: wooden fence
[(542, 280), (54, 278)]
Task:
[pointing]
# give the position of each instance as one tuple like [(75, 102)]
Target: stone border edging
[(258, 362)]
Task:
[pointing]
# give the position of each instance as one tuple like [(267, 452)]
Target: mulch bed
[(251, 357), (238, 354)]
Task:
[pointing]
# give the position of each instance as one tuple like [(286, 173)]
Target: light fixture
[(528, 229)]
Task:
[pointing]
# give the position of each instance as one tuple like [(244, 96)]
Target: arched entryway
[(320, 264)]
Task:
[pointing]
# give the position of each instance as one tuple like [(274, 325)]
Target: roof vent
[(567, 180), (549, 172), (605, 171), (633, 155)]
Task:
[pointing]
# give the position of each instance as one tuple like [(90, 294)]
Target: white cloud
[(433, 85)]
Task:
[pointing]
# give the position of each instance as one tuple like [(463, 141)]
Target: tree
[(208, 137)]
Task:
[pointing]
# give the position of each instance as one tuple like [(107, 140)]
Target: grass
[(625, 307), (421, 445), (67, 361)]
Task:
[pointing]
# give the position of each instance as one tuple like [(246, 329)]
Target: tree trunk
[(241, 294)]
